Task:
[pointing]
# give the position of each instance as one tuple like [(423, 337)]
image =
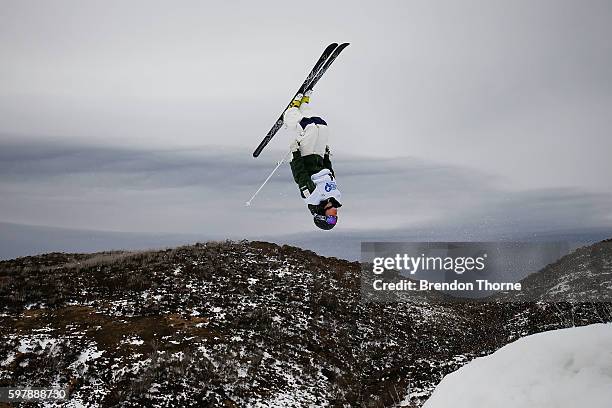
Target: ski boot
[(306, 97), (297, 101)]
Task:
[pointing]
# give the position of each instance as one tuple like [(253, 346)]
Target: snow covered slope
[(566, 368), (585, 275)]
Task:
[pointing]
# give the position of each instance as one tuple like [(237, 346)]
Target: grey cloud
[(519, 89), (203, 191), (38, 160), (448, 119)]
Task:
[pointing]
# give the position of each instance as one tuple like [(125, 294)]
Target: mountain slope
[(583, 276), (238, 324)]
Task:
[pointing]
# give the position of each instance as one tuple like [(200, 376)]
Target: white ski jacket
[(325, 188)]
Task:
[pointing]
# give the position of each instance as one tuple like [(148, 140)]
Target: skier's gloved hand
[(297, 101), (305, 190)]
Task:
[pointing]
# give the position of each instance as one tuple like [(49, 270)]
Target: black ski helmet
[(325, 222)]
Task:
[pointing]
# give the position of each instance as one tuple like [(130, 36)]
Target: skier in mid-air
[(310, 163)]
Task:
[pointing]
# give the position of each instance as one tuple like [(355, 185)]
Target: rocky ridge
[(241, 324)]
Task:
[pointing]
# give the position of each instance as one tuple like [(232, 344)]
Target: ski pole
[(280, 162)]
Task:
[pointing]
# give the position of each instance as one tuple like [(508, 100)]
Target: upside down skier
[(310, 163)]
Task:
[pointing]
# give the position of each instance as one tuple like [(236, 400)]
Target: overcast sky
[(141, 116)]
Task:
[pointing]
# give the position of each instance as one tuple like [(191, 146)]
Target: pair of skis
[(327, 58)]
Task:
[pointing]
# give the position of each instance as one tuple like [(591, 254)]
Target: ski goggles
[(330, 219)]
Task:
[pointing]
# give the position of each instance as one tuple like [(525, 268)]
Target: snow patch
[(565, 368), (29, 344), (134, 341), (8, 360), (89, 354)]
